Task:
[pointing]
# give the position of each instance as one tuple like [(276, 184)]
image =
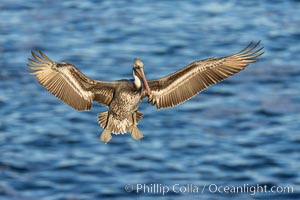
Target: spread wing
[(182, 85), (68, 84)]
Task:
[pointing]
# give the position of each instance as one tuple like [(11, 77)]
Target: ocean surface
[(242, 132)]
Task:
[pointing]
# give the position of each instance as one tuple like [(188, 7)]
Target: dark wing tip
[(251, 51), (45, 57), (37, 57), (39, 60)]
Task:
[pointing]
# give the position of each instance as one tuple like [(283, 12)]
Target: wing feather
[(182, 85), (68, 84)]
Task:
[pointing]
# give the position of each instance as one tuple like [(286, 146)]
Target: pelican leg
[(135, 132), (106, 133), (134, 119)]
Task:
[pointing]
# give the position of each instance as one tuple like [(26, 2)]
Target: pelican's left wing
[(68, 84), (182, 85)]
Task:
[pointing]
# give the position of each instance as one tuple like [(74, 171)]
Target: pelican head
[(139, 76)]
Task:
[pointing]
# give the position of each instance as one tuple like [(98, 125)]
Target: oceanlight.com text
[(163, 189)]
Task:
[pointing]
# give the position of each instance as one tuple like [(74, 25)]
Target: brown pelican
[(122, 97)]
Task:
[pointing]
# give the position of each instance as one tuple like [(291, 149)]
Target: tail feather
[(102, 119), (116, 126)]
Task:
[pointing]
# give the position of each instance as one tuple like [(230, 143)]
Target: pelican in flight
[(122, 97)]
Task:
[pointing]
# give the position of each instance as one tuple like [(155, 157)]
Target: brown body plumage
[(67, 83)]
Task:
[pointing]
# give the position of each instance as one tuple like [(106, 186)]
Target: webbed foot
[(105, 136), (135, 133)]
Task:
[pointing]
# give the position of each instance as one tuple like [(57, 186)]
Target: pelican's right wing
[(182, 85), (68, 84)]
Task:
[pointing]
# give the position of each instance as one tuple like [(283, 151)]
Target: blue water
[(244, 130)]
